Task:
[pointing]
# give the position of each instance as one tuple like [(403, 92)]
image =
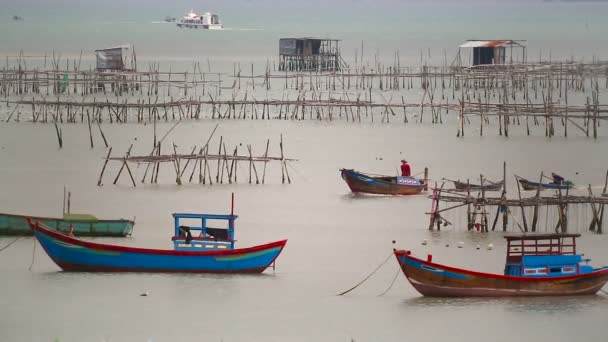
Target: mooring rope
[(33, 255), (604, 291), (10, 243), (366, 278), (297, 172), (392, 283)]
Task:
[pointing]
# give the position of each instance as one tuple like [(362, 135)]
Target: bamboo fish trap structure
[(480, 208), (200, 164)]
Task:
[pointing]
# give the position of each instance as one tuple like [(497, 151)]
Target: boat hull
[(359, 182), (528, 185), (476, 187), (75, 255), (436, 280), (201, 26), (18, 225)]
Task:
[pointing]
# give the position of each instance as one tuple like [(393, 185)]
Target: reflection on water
[(356, 196), (543, 305)]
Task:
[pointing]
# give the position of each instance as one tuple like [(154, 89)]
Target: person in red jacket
[(406, 169)]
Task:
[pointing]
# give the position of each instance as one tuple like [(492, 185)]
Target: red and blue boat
[(536, 265), (382, 185), (212, 251)]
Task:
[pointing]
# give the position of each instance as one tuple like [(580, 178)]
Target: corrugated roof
[(487, 43), (124, 46)]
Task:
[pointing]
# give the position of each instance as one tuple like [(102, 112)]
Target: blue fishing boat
[(211, 251), (529, 185)]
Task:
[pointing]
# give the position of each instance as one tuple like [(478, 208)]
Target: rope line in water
[(33, 255), (366, 278), (604, 291), (10, 243), (392, 283), (297, 172)]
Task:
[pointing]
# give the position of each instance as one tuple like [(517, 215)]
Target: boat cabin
[(205, 21), (544, 255), (194, 233)]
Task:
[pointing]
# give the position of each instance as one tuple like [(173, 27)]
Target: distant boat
[(537, 265), (80, 224), (17, 18), (382, 185), (206, 21), (487, 186), (211, 252), (170, 19), (529, 185)]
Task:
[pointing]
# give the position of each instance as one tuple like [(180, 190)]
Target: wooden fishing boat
[(383, 185), (211, 252), (536, 265), (487, 186), (529, 185), (81, 225)]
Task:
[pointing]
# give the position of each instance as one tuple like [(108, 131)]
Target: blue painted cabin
[(544, 255), (199, 236)]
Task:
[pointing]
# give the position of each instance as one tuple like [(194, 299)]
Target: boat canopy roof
[(519, 246), (205, 216), (540, 236)]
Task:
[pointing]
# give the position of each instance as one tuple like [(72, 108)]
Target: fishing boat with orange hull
[(537, 265), (382, 185)]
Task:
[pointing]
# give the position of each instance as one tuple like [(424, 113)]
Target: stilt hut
[(495, 52), (309, 54), (113, 66), (116, 58)]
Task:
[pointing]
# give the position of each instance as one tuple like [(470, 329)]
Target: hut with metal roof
[(118, 58), (495, 52), (309, 54)]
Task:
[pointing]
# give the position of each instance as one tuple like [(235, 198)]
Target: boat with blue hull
[(382, 185), (211, 252), (537, 265), (529, 185)]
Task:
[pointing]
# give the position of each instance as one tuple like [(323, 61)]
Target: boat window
[(568, 269), (187, 245), (556, 270), (535, 271)]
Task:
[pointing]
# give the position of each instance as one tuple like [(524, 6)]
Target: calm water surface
[(335, 238)]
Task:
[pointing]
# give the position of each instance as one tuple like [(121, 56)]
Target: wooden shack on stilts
[(113, 63), (493, 52), (309, 54)]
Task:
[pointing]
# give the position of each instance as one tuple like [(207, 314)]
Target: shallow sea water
[(335, 238)]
